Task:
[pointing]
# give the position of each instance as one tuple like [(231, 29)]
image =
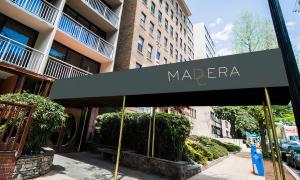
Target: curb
[(296, 176)]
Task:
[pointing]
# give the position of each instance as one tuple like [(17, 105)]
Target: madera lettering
[(200, 75)]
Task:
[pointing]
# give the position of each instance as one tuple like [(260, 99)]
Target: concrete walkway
[(236, 167), (87, 166)]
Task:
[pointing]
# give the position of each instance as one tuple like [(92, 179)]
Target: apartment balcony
[(38, 8), (58, 69), (97, 12), (19, 55), (83, 40)]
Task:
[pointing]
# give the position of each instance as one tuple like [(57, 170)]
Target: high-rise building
[(154, 32), (204, 45), (44, 40)]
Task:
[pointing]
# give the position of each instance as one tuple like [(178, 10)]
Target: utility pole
[(289, 59)]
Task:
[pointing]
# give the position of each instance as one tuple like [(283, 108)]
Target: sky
[(220, 15)]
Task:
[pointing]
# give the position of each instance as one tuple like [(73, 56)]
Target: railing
[(15, 121), (58, 69), (85, 36), (17, 54), (103, 10), (40, 8)]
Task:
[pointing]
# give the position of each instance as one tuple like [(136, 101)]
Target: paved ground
[(236, 167), (87, 166)]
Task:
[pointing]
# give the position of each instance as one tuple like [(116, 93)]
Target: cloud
[(216, 22), (224, 52), (224, 34), (290, 24)]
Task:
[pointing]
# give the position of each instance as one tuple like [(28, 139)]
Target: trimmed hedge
[(170, 135)]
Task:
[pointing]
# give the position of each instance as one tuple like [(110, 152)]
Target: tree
[(252, 33)]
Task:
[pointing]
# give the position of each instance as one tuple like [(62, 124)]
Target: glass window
[(177, 7), (138, 66), (166, 24), (158, 35), (172, 14), (171, 49), (159, 16), (167, 7), (157, 55), (149, 51), (151, 27), (140, 43), (145, 2), (17, 31), (171, 31), (153, 7), (58, 51), (176, 21), (165, 42), (176, 37), (143, 18), (165, 61), (160, 2)]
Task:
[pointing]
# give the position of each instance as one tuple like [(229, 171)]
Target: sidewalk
[(236, 167), (87, 166)]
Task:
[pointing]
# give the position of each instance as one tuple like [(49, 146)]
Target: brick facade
[(7, 164)]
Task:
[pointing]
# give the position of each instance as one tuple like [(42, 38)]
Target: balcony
[(102, 10), (19, 55), (86, 37), (58, 69), (40, 8)]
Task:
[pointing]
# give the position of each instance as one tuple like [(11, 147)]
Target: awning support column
[(153, 133), (277, 150), (120, 139)]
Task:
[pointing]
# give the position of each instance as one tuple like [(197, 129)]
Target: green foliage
[(229, 146), (170, 133), (212, 147), (48, 117), (196, 152)]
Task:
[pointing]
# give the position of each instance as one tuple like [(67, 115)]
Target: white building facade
[(204, 46)]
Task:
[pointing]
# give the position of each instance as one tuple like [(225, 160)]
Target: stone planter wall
[(170, 169), (28, 167)]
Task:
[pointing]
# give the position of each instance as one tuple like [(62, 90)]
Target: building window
[(176, 37), (166, 24), (145, 2), (151, 27), (143, 19), (180, 27), (184, 48), (165, 42), (177, 7), (65, 54), (180, 57), (172, 14), (140, 44), (153, 7), (149, 51), (167, 8), (171, 31), (176, 55), (180, 42), (184, 31), (159, 16), (165, 61), (160, 2), (138, 66), (171, 49), (177, 21), (157, 57), (158, 35)]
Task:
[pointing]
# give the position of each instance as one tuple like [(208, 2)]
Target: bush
[(48, 117), (229, 146), (170, 133), (196, 153), (215, 149)]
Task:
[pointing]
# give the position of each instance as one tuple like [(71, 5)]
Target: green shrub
[(229, 146), (170, 133), (215, 149), (48, 117), (196, 153)]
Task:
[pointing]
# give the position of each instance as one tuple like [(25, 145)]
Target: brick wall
[(7, 165)]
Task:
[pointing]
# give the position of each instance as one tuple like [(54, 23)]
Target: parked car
[(284, 147), (293, 156)]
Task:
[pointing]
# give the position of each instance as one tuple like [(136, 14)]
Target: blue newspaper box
[(253, 152), (258, 164)]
